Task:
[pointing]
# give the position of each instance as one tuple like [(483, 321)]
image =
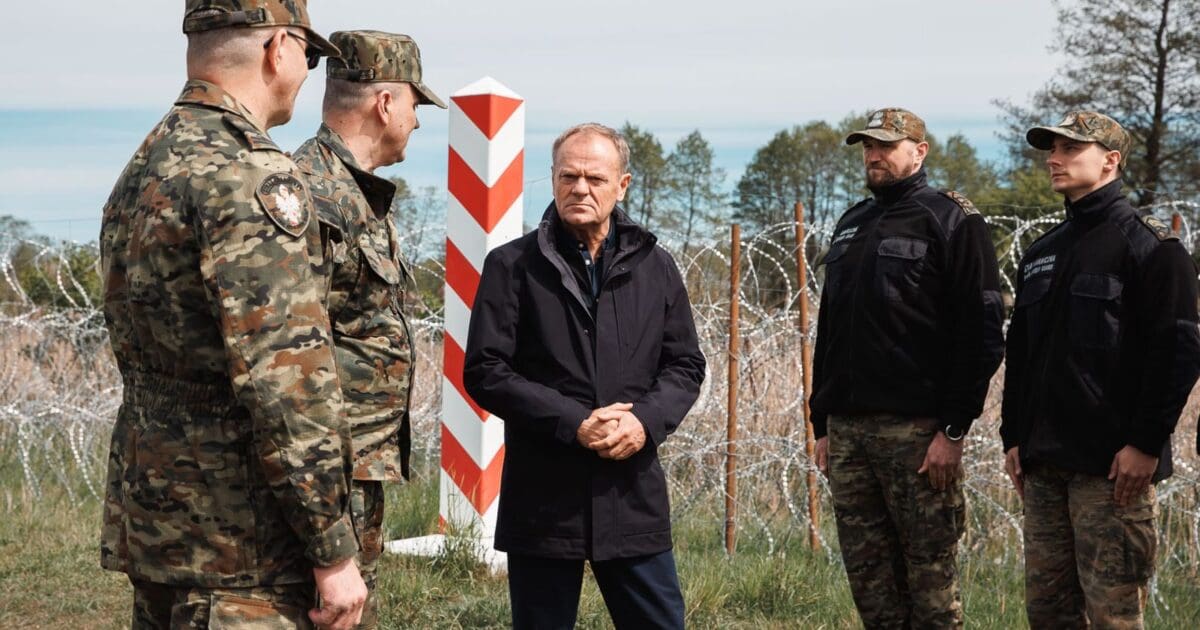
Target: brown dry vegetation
[(59, 391)]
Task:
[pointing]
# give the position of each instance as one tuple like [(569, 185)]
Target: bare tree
[(694, 185), (1139, 62), (649, 167)]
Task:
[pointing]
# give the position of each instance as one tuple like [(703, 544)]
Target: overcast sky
[(739, 71), (723, 63)]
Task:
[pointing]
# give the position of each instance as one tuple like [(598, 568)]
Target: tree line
[(1136, 60)]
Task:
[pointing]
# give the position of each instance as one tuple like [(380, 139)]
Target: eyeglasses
[(311, 55)]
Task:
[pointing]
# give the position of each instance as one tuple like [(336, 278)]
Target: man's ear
[(385, 106), (1112, 161), (922, 150), (623, 185), (274, 51)]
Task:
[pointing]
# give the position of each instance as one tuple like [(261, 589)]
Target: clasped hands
[(613, 432)]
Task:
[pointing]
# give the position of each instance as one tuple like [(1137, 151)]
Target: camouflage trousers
[(366, 510), (899, 536), (1087, 560), (285, 607), (169, 607)]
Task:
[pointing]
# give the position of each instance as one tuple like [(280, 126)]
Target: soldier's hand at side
[(822, 455), (628, 438), (343, 594), (943, 461), (1133, 470), (601, 423), (1012, 465)]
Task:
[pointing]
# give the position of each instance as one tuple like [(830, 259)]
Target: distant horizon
[(739, 72), (57, 165)]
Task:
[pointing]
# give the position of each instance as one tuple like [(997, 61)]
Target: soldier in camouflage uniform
[(908, 337), (1103, 350), (370, 111), (227, 493)]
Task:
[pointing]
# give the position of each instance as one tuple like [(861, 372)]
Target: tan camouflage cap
[(1084, 126), (890, 124), (374, 56), (206, 15)]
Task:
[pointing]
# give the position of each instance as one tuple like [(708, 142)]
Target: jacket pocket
[(898, 267), (833, 272), (1129, 551), (1033, 291), (381, 288), (377, 253), (1095, 310)]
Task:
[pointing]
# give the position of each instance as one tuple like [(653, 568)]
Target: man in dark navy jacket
[(908, 337), (582, 340), (1103, 350)]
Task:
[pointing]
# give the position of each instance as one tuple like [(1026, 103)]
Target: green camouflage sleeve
[(262, 266)]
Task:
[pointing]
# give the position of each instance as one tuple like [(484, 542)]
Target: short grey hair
[(231, 47), (615, 136), (347, 96)]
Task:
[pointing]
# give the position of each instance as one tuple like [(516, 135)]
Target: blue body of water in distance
[(58, 166)]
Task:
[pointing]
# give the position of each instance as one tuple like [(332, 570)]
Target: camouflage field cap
[(890, 124), (374, 56), (207, 15), (1084, 126)]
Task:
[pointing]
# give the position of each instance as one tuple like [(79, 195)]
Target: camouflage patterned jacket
[(370, 334), (228, 464)]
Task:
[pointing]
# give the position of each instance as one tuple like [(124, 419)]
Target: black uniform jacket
[(1103, 347), (911, 317), (541, 354)]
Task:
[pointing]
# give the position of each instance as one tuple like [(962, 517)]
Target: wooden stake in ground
[(735, 275), (810, 443)]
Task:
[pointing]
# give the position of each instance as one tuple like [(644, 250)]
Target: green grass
[(50, 577)]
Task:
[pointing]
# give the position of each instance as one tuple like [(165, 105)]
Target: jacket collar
[(895, 192), (1096, 203), (633, 242), (337, 146), (625, 233), (197, 92), (567, 241), (378, 191)]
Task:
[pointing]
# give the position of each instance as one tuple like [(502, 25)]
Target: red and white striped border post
[(484, 211)]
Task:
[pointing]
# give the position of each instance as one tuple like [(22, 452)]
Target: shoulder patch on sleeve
[(1160, 228), (283, 197), (257, 140), (962, 201)]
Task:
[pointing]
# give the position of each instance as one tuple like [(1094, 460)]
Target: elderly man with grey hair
[(582, 340), (371, 96)]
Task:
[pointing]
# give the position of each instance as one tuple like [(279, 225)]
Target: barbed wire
[(60, 389)]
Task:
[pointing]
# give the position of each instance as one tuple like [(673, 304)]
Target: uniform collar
[(897, 191), (1095, 202), (331, 139), (379, 191), (197, 92)]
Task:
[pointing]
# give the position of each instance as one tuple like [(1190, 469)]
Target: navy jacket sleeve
[(1171, 342), (976, 320), (488, 371), (1015, 361), (820, 419), (681, 364)]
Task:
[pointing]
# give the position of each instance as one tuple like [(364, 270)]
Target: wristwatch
[(954, 434)]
